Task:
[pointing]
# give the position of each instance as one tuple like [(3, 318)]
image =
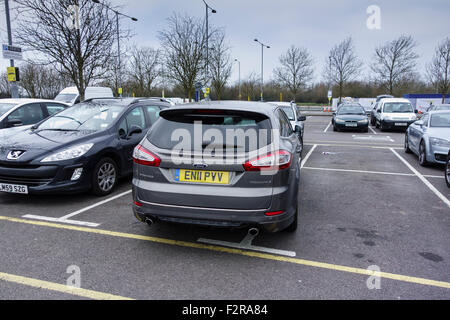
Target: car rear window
[(241, 131)]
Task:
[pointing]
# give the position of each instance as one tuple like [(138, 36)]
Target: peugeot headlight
[(339, 120), (69, 153), (440, 142)]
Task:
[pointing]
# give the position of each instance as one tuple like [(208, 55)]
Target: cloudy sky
[(314, 24)]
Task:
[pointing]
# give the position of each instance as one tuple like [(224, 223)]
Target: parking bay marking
[(371, 172), (52, 286), (328, 127), (321, 265), (308, 155), (66, 218), (424, 180), (370, 137), (246, 244)]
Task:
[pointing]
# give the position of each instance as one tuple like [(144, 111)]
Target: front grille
[(31, 182)]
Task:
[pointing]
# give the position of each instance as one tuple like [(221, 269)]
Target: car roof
[(28, 100), (125, 102), (259, 107), (395, 100)]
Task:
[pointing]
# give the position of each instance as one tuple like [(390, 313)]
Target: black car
[(85, 147), (350, 117)]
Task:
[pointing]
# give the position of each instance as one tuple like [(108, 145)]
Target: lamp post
[(262, 66), (13, 85), (119, 77), (208, 8), (240, 96), (329, 82)]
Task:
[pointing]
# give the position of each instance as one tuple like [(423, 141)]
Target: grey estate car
[(239, 166)]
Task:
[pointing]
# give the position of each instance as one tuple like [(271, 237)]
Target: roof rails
[(133, 100)]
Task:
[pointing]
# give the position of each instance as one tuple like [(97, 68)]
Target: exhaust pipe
[(253, 232), (148, 221)]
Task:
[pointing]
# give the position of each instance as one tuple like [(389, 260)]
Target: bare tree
[(438, 70), (81, 49), (144, 69), (183, 45), (295, 71), (395, 62), (220, 63), (343, 65), (250, 86)]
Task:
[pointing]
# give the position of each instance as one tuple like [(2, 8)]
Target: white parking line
[(372, 130), (328, 127), (361, 171), (246, 244), (308, 155), (66, 218), (425, 181)]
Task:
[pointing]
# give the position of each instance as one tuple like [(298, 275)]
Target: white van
[(71, 95)]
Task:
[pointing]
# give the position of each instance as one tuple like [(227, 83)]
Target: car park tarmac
[(364, 205)]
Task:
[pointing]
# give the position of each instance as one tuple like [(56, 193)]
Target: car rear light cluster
[(145, 157), (277, 160)]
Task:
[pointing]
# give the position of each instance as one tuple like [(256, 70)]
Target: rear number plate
[(13, 188), (201, 176), (351, 125)]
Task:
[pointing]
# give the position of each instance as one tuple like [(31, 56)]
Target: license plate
[(401, 124), (201, 176), (351, 124), (13, 188)]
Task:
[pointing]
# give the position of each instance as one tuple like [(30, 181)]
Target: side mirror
[(419, 123), (134, 130), (298, 129), (14, 123), (334, 113), (416, 111), (379, 111), (301, 118)]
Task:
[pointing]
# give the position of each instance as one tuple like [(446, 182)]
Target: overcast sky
[(314, 24)]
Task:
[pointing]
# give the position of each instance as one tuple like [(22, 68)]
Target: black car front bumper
[(352, 125), (52, 178), (396, 124)]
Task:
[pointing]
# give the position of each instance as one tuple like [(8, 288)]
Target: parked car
[(85, 147), (22, 112), (256, 184), (394, 113), (71, 95), (429, 138), (350, 117), (439, 107), (295, 118), (447, 170), (384, 96)]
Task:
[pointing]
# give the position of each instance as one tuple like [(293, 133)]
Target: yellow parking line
[(59, 287), (310, 263)]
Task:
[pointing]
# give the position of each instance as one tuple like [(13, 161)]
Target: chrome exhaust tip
[(148, 221), (253, 232)]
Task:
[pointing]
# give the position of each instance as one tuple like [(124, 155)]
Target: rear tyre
[(293, 226), (447, 171), (104, 177), (366, 130), (335, 129), (422, 155), (406, 148)]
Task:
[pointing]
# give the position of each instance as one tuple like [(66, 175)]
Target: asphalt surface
[(361, 206)]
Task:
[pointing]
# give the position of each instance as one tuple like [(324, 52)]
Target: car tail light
[(274, 213), (145, 157), (277, 160)]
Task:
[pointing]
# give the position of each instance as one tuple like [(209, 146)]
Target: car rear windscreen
[(221, 129)]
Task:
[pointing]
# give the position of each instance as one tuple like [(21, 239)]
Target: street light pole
[(262, 67), (13, 85), (119, 67), (240, 96), (207, 7)]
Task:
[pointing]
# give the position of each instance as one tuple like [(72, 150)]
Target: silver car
[(295, 118), (225, 164), (429, 137)]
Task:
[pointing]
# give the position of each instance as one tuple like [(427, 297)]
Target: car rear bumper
[(230, 218)]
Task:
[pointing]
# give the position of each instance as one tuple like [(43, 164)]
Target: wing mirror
[(134, 130), (14, 123), (301, 118), (298, 129)]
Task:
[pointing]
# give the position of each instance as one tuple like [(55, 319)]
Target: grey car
[(429, 137), (241, 169)]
